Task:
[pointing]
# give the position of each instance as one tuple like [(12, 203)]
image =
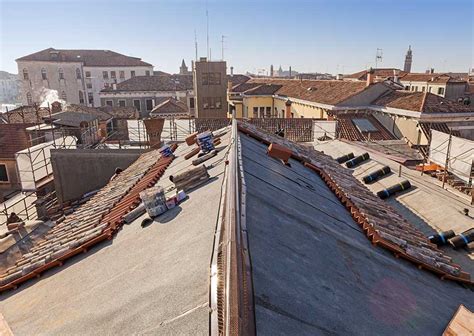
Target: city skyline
[(320, 36)]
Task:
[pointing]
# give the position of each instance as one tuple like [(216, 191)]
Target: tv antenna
[(195, 45), (378, 57), (222, 42)]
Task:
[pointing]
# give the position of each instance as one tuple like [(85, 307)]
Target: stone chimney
[(56, 107), (114, 86), (231, 70), (395, 75), (290, 71), (370, 76), (288, 109)]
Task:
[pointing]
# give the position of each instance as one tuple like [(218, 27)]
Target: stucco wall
[(13, 183), (402, 127), (35, 84), (79, 171)]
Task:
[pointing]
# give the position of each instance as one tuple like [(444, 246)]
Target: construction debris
[(462, 323), (205, 157), (190, 178)]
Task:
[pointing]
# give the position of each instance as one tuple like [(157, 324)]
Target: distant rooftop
[(87, 57), (154, 83)]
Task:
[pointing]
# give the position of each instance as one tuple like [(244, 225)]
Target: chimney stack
[(395, 76), (290, 71), (370, 76), (56, 107), (231, 70), (114, 86), (288, 109)]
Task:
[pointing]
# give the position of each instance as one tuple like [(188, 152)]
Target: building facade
[(77, 75), (9, 88), (146, 92), (210, 88)]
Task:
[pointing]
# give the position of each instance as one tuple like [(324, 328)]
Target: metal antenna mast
[(195, 45), (378, 57), (222, 41)]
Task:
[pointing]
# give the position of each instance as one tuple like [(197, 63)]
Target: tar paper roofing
[(154, 83)]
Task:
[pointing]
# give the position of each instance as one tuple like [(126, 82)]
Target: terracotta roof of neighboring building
[(238, 79), (239, 88), (13, 138), (380, 72), (25, 114), (155, 83), (170, 106), (87, 57), (160, 73), (329, 92), (421, 102), (430, 78), (263, 90), (347, 128)]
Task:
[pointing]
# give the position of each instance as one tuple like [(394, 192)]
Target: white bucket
[(154, 200)]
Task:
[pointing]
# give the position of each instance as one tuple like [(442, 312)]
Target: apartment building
[(210, 88), (8, 88), (146, 92), (447, 85), (77, 75)]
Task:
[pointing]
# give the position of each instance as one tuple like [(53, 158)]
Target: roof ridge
[(423, 101)]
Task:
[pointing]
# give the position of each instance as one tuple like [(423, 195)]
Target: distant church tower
[(280, 72), (408, 60), (271, 70), (183, 69)]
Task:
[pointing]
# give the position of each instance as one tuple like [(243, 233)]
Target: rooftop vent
[(311, 88)]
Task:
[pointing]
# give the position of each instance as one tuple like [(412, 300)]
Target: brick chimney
[(288, 109), (370, 76), (56, 107)]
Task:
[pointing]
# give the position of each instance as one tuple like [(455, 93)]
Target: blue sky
[(318, 35)]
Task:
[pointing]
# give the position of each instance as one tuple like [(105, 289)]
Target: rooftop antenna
[(195, 45), (207, 22), (378, 57), (222, 41)]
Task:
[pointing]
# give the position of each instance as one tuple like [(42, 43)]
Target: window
[(211, 78), (429, 89), (407, 87), (218, 101), (43, 74), (78, 73), (122, 74), (136, 103), (255, 112), (89, 85), (88, 74), (25, 74), (121, 103), (147, 73), (132, 73), (422, 89), (149, 104), (90, 98), (81, 97), (113, 74), (61, 74), (29, 98), (268, 112), (3, 173), (191, 102), (63, 95), (441, 91), (416, 88), (105, 75), (262, 112), (109, 103)]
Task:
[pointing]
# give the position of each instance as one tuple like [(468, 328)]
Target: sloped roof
[(380, 72), (13, 138), (329, 92), (169, 107), (25, 114), (425, 102), (314, 271), (440, 78), (73, 119), (155, 83), (263, 90), (237, 79), (87, 57)]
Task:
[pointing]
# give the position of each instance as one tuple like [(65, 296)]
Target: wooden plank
[(462, 323)]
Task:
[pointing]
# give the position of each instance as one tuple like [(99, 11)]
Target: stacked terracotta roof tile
[(96, 220), (347, 129), (380, 222)]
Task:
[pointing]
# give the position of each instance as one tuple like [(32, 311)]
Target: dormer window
[(43, 74), (61, 73)]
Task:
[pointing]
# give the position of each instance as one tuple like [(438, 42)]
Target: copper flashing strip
[(112, 220), (232, 302), (369, 220)]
